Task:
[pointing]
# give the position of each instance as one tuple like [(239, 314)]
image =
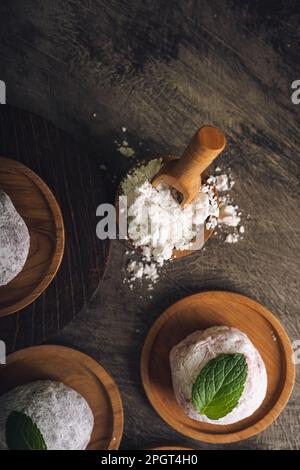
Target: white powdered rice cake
[(14, 240), (62, 415), (190, 356)]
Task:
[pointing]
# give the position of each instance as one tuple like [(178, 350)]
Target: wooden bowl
[(38, 207), (201, 311), (78, 371), (176, 253), (171, 447)]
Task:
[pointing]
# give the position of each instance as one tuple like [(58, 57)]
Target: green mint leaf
[(22, 433), (219, 385)]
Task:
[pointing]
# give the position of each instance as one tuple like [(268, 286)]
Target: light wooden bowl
[(36, 204), (201, 311), (171, 447), (78, 371), (176, 253)]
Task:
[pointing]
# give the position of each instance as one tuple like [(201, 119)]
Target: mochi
[(62, 415), (189, 356), (14, 240)]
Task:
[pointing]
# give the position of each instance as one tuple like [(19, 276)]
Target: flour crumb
[(232, 238), (230, 226), (274, 338), (126, 151), (229, 216), (138, 270), (222, 182), (124, 148)]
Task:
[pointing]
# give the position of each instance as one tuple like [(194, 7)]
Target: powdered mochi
[(62, 415), (14, 240), (190, 356)]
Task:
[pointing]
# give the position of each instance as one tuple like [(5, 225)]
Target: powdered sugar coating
[(190, 356), (62, 415), (14, 240)]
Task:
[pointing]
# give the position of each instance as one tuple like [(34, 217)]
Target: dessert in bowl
[(217, 367), (14, 240), (44, 415), (218, 375)]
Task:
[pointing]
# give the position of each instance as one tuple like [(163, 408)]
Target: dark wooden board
[(72, 176), (161, 69)]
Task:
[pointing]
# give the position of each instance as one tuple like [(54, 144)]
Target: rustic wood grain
[(201, 311), (75, 184), (162, 69), (81, 373), (38, 207)]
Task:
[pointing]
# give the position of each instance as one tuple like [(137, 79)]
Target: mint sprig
[(22, 434), (219, 385)]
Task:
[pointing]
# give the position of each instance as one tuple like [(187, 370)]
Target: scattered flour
[(124, 148), (222, 182), (232, 238), (229, 221), (126, 151), (229, 216)]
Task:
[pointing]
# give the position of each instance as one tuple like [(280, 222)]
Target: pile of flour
[(158, 224)]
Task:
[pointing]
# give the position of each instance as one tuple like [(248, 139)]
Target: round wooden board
[(79, 186), (78, 371), (199, 312), (177, 254), (38, 207)]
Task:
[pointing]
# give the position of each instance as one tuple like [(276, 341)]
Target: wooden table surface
[(161, 69)]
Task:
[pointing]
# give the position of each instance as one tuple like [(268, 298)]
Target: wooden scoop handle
[(185, 174), (205, 146)]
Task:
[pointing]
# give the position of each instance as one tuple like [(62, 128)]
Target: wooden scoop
[(184, 174)]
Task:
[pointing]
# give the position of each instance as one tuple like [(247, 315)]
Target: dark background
[(162, 69)]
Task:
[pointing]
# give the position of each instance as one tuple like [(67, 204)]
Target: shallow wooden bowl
[(36, 204), (176, 253), (78, 371), (198, 312), (171, 447)]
